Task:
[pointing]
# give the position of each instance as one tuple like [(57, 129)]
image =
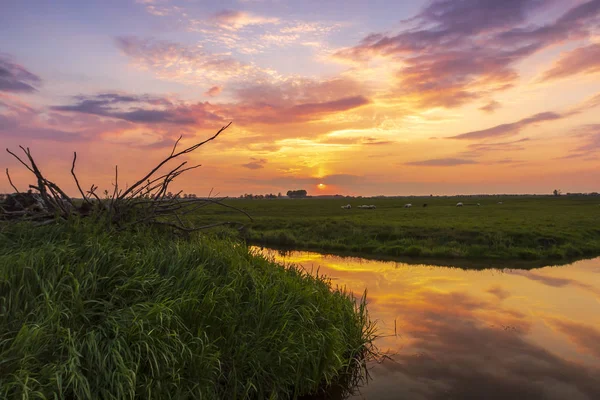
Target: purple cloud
[(15, 78), (501, 146), (509, 129), (343, 104), (443, 162), (491, 106), (135, 109), (461, 50), (255, 163)]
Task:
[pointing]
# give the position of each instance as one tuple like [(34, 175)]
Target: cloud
[(24, 122), (552, 281), (255, 163), (584, 60), (235, 20), (135, 109), (491, 106), (15, 78), (590, 136), (574, 24), (499, 292), (213, 91), (510, 129), (586, 337), (186, 64), (501, 146), (293, 100), (274, 113), (343, 104), (456, 52), (334, 179), (443, 162)]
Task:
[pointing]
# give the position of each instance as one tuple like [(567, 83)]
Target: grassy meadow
[(536, 228), (86, 314)]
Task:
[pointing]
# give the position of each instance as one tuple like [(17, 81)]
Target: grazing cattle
[(408, 205), (367, 207), (500, 202), (347, 207), (425, 205), (478, 204), (459, 204)]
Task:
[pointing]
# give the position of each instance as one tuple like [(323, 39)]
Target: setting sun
[(321, 186)]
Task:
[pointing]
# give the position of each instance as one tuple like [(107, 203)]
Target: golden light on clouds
[(478, 98)]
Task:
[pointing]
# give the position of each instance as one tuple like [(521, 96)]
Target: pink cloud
[(584, 60), (213, 91)]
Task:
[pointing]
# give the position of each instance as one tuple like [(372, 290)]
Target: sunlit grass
[(90, 315)]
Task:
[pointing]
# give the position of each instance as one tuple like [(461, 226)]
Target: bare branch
[(17, 157), (175, 145), (76, 180), (147, 201), (11, 183), (172, 156)]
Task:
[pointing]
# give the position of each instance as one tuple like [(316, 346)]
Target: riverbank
[(544, 229), (140, 314)]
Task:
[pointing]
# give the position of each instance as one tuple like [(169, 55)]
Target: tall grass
[(89, 315)]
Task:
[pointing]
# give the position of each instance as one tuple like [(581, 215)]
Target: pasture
[(543, 228)]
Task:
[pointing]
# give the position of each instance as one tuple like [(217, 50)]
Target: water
[(465, 334)]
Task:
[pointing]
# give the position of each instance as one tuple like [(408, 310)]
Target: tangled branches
[(147, 201)]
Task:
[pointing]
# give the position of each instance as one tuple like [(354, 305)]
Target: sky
[(353, 97)]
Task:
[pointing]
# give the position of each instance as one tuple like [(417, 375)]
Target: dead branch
[(77, 180), (172, 156), (148, 201), (10, 181)]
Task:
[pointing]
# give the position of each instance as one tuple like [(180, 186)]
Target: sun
[(321, 186)]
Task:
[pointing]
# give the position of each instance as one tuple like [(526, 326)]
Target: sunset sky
[(378, 97)]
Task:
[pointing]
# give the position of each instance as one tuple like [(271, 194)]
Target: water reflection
[(476, 334)]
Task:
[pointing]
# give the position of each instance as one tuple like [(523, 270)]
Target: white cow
[(478, 204), (500, 202), (347, 207), (409, 205), (459, 204)]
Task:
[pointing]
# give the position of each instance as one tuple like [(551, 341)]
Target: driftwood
[(148, 201)]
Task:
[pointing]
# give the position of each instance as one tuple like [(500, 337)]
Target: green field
[(88, 314), (547, 229)]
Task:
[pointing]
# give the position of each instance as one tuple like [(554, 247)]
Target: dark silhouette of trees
[(557, 192), (296, 194)]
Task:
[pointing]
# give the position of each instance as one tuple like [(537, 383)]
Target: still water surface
[(465, 334)]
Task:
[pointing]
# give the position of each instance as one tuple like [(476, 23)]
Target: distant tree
[(557, 192), (279, 194), (296, 193)]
